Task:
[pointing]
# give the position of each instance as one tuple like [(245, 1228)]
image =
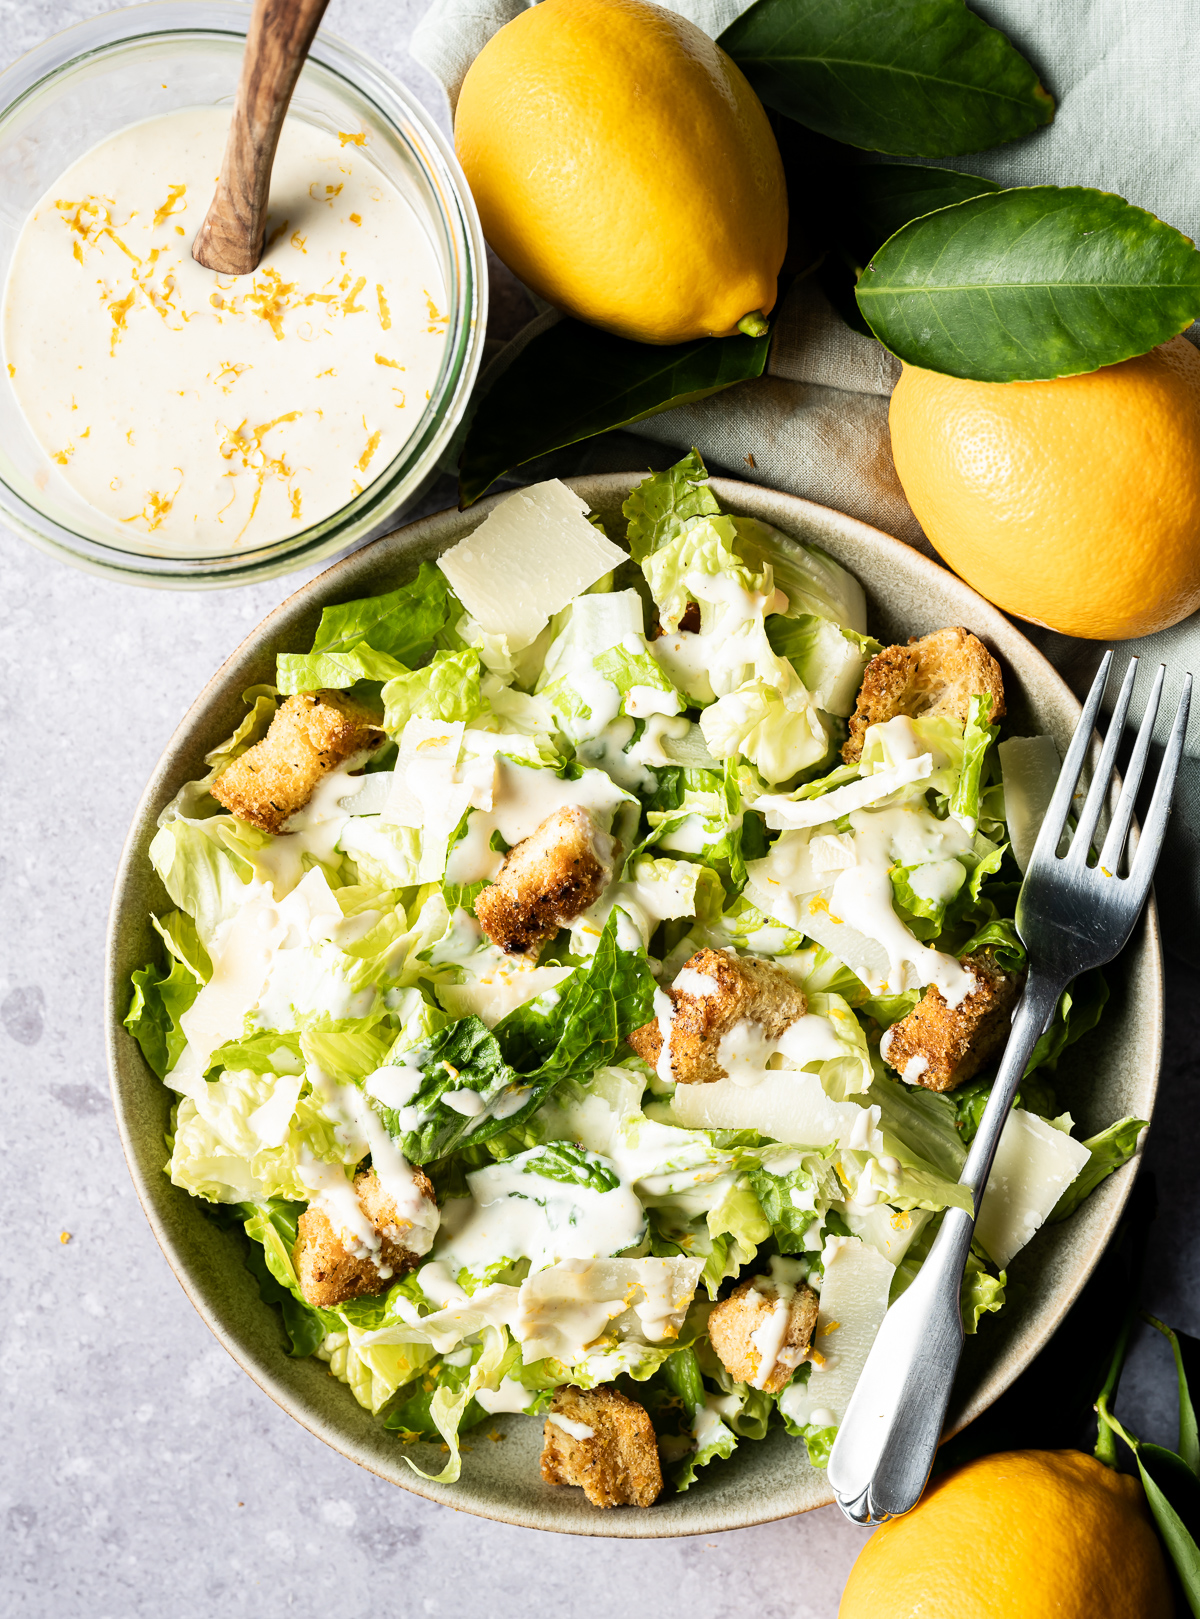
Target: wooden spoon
[(230, 240)]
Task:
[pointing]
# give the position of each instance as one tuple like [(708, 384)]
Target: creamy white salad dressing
[(515, 1213), (209, 412), (577, 1430), (360, 1127), (523, 798)]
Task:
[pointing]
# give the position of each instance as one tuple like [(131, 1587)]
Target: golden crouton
[(940, 1046), (938, 674), (546, 881), (748, 1310), (329, 1272), (615, 1459), (313, 733), (746, 988)]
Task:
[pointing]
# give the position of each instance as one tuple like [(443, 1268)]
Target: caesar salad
[(584, 970)]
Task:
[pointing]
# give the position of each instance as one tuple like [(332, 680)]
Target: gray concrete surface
[(143, 1474)]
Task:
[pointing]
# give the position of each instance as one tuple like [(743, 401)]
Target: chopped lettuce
[(508, 1072), (828, 658), (446, 689), (809, 577), (779, 732), (159, 1001), (704, 550), (1109, 1149), (375, 638), (382, 993), (205, 866), (666, 503), (230, 1146), (978, 737)]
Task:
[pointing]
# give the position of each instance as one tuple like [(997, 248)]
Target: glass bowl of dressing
[(170, 427)]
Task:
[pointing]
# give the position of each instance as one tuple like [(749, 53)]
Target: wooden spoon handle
[(230, 240)]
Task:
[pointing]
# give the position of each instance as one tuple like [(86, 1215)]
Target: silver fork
[(1071, 916)]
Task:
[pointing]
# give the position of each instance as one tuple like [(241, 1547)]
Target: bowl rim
[(1012, 1362), (417, 462)]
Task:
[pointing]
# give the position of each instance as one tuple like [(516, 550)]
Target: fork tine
[(1114, 843), (1102, 777), (1059, 808), (1155, 828)]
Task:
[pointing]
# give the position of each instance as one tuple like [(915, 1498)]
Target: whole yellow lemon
[(624, 169), (1033, 1534), (1073, 503)]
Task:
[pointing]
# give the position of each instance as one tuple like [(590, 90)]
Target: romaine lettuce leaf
[(271, 1227), (739, 1215), (711, 1438), (446, 689), (788, 1222), (378, 632), (779, 732), (382, 853), (178, 932), (514, 1067), (205, 866), (808, 576), (454, 1397), (336, 671), (627, 669), (1078, 1012), (666, 503), (978, 737), (159, 1001), (1110, 1149), (829, 659), (223, 1152), (927, 1122), (704, 549), (982, 1293), (263, 706)]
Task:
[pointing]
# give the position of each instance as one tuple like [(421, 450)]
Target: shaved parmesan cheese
[(787, 1106), (1029, 766), (784, 813), (854, 1301), (241, 968), (888, 1230), (527, 560), (1035, 1163)]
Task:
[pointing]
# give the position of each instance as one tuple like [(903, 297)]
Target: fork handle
[(889, 1435)]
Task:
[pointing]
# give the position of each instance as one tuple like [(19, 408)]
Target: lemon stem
[(755, 324)]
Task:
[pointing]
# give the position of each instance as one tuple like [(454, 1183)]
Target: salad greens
[(559, 1207)]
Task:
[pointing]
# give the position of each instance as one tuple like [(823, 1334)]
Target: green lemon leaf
[(1037, 282), (572, 382), (1173, 1496), (881, 198), (925, 79)]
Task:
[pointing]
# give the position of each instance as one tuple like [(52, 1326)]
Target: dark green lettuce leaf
[(515, 1066)]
